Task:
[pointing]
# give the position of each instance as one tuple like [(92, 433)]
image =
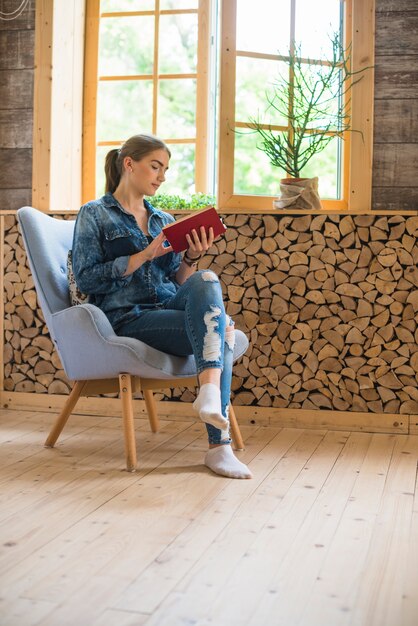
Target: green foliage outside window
[(171, 202)]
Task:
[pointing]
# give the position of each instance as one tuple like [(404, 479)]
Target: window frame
[(91, 81), (357, 183)]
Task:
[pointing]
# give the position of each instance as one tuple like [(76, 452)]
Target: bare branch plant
[(314, 96)]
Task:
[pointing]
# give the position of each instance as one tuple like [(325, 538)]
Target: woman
[(122, 260)]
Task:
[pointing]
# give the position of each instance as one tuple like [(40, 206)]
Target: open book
[(207, 217)]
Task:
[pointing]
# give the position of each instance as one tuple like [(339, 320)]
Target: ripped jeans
[(193, 322)]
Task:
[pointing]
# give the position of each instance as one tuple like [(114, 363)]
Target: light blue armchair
[(98, 360)]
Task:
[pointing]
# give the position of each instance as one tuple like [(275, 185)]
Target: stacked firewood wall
[(329, 303)]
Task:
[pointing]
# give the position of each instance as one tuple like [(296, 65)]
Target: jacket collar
[(110, 201)]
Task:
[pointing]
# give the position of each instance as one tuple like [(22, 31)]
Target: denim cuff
[(119, 268), (217, 436), (213, 440)]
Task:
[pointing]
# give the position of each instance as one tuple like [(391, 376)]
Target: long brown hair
[(136, 147)]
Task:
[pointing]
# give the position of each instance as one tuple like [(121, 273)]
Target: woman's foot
[(208, 405), (222, 461)]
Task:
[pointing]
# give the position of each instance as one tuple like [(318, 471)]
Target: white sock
[(222, 460), (208, 405)]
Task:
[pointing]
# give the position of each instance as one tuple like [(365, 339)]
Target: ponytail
[(112, 170)]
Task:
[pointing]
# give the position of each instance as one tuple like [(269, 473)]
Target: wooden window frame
[(91, 80), (359, 22)]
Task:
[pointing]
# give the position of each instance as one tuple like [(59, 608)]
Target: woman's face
[(147, 174)]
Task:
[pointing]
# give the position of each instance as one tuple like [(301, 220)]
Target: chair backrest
[(47, 241)]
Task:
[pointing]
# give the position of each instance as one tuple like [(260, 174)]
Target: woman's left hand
[(199, 243)]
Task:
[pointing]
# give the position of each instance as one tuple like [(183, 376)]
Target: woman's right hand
[(157, 248)]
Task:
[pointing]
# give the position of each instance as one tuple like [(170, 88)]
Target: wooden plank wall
[(17, 37), (395, 185), (395, 163)]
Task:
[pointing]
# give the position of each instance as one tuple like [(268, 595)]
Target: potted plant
[(314, 97)]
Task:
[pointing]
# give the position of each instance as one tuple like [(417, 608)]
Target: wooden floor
[(326, 534)]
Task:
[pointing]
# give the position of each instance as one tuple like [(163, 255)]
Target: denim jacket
[(105, 235)]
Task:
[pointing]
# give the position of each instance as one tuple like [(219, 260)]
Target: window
[(251, 60), (259, 67), (147, 72), (150, 65)]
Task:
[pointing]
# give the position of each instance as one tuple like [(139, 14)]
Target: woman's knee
[(204, 277), (205, 284), (208, 276)]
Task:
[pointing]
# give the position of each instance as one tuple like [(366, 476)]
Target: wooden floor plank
[(82, 496), (53, 470), (16, 424), (381, 594), (148, 590), (87, 607), (113, 617), (71, 449), (331, 598), (23, 612), (410, 595), (46, 546), (91, 448), (296, 525), (326, 534), (163, 509), (66, 542), (282, 598), (32, 440), (275, 512)]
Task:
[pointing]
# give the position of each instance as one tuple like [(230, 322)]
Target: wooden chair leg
[(125, 386), (235, 430), (65, 413), (151, 409)]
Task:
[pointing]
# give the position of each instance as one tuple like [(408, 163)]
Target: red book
[(207, 217)]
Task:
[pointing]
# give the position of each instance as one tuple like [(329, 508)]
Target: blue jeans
[(192, 322)]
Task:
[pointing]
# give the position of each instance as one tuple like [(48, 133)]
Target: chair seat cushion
[(76, 296)]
